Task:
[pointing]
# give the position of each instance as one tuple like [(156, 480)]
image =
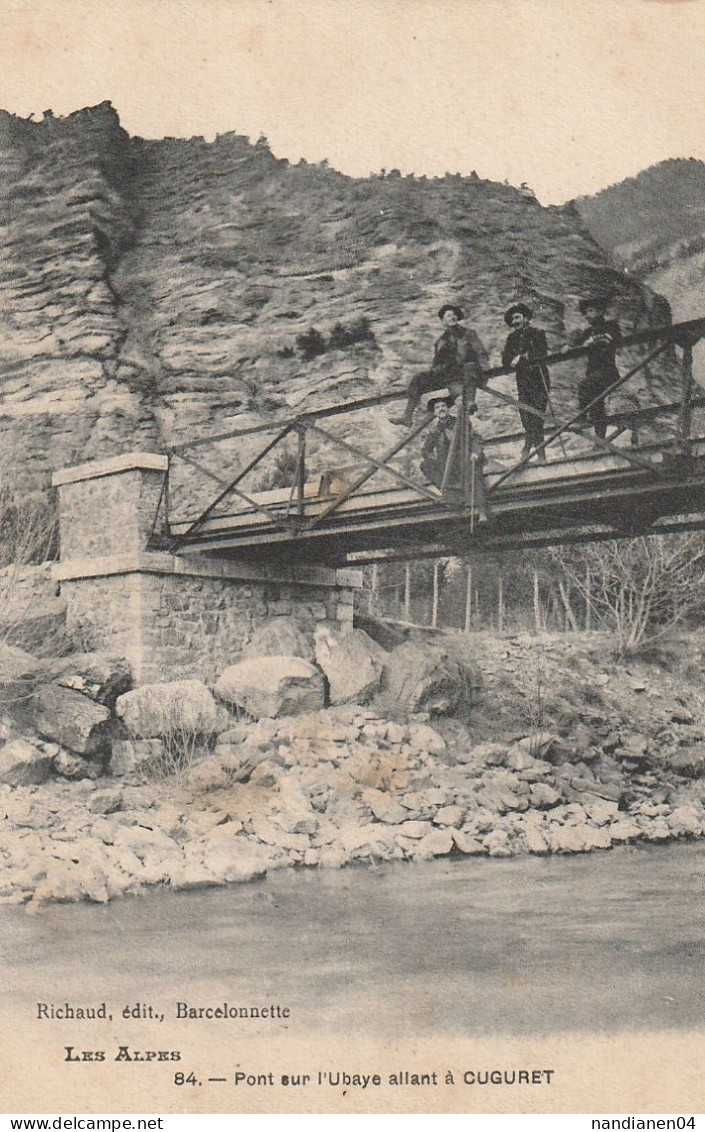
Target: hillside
[(154, 291), (654, 226)]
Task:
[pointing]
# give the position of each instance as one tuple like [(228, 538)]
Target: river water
[(525, 946)]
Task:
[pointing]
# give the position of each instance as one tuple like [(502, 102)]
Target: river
[(525, 946)]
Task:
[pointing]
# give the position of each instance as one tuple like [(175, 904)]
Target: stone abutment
[(171, 616)]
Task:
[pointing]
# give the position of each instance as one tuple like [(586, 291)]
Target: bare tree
[(641, 588)]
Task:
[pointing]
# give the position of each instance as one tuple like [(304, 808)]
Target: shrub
[(311, 344), (343, 335)]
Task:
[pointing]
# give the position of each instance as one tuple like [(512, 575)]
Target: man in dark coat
[(602, 337), (436, 450), (524, 349), (458, 356)]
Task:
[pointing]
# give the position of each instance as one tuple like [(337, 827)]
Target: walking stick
[(552, 411), (472, 492)]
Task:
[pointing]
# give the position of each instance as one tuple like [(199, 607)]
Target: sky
[(567, 95)]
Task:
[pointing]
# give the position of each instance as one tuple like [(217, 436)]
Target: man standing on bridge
[(524, 349), (458, 357), (602, 337)]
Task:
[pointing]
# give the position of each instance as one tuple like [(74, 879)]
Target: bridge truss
[(380, 508)]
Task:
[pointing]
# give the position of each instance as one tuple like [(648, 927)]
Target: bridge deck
[(587, 496)]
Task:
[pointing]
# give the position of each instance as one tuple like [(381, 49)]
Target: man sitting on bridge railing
[(458, 357), (440, 462), (602, 337)]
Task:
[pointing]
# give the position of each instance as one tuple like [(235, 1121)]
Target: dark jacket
[(601, 352), (436, 449), (459, 352), (531, 343)]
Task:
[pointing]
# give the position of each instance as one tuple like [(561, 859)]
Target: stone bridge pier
[(173, 617)]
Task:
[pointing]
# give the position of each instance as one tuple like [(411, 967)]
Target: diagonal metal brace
[(379, 465), (583, 412), (232, 487), (624, 453), (376, 465)]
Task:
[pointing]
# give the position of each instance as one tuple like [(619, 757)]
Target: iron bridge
[(374, 509)]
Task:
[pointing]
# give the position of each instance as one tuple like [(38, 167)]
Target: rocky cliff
[(156, 291)]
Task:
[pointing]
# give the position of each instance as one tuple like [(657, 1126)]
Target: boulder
[(69, 882), (75, 767), (610, 792), (70, 719), (272, 686), (208, 774), (99, 675), (191, 872), (577, 838), (274, 835), (293, 813), (536, 745), (689, 761), (235, 861), (23, 764), (496, 843), (386, 635), (19, 675), (425, 739), (543, 796), (134, 755), (352, 663), (384, 807), (449, 816), (686, 820), (470, 846), (438, 843), (484, 754), (280, 636), (657, 830), (415, 829), (332, 857), (105, 802), (498, 795), (373, 836), (625, 829), (601, 812), (419, 677), (535, 840), (182, 708)]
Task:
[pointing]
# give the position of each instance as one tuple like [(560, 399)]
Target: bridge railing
[(458, 476)]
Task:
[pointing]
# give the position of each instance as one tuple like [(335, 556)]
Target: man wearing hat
[(524, 349), (436, 450), (458, 356), (602, 337)]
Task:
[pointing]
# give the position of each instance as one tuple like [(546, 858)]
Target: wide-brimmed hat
[(451, 307), (518, 308), (594, 302), (438, 397)]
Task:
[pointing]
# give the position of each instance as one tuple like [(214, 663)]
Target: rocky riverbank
[(617, 756)]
